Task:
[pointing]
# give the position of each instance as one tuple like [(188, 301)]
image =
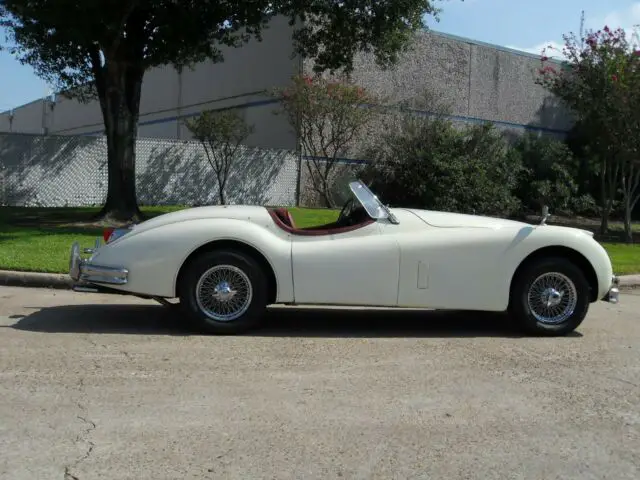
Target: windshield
[(370, 202)]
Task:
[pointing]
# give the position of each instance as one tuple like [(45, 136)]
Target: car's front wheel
[(224, 292), (550, 297)]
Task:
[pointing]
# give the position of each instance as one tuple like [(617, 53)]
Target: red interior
[(282, 218), (107, 233)]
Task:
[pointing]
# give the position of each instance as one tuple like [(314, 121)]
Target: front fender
[(533, 239), (154, 256)]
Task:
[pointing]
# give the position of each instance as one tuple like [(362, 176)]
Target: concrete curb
[(35, 279), (63, 281), (629, 281)]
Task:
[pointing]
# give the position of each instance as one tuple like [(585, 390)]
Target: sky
[(519, 24)]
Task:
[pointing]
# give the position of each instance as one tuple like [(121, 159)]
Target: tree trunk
[(326, 194), (606, 204), (604, 218), (328, 202), (221, 183), (628, 231), (120, 104)]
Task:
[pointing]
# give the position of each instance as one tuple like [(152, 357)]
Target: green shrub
[(548, 176), (585, 205), (433, 164)]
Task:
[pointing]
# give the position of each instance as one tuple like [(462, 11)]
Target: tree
[(221, 134), (102, 48), (600, 83), (327, 116)]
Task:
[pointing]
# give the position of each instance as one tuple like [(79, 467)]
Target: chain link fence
[(66, 171)]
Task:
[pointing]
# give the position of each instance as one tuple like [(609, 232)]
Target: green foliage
[(221, 134), (587, 174), (73, 44), (327, 116), (222, 128), (548, 175), (331, 32), (433, 164), (436, 165)]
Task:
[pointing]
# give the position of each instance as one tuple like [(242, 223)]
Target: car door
[(360, 267), (452, 268)]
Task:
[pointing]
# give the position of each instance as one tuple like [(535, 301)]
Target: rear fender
[(154, 257)]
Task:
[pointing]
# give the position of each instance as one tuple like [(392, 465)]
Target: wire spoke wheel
[(552, 298), (224, 293)]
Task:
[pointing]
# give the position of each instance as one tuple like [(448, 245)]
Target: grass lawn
[(625, 258), (39, 239)]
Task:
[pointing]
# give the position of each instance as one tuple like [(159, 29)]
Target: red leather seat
[(283, 219)]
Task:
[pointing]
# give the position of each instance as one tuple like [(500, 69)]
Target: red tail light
[(107, 233)]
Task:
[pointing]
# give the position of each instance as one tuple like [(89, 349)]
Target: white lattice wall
[(58, 171)]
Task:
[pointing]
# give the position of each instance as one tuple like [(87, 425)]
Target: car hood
[(459, 220)]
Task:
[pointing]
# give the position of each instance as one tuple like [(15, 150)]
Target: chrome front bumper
[(84, 272), (613, 295)]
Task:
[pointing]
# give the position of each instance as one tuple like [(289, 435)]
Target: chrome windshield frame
[(370, 202)]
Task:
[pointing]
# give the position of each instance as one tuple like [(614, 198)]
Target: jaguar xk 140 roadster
[(226, 264)]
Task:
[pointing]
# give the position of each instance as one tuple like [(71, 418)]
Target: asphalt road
[(113, 387)]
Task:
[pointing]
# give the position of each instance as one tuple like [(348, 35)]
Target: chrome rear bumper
[(85, 272), (613, 295)]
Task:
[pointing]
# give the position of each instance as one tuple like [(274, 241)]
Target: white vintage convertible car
[(226, 264)]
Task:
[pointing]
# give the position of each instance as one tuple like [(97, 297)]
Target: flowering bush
[(600, 83), (316, 92)]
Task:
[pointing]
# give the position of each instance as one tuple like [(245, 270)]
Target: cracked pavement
[(100, 387)]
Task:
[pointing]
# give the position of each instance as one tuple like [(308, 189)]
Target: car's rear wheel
[(224, 292), (550, 296)]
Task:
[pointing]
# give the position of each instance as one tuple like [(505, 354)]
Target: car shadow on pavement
[(332, 322), (279, 322), (125, 319)]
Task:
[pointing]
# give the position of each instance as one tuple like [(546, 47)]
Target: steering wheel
[(346, 209)]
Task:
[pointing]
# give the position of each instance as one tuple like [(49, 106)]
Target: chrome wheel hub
[(552, 298), (224, 293)]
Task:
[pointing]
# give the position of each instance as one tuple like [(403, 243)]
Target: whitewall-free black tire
[(550, 296), (224, 292)]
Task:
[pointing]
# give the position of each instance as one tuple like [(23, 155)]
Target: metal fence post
[(298, 178), (3, 187)]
